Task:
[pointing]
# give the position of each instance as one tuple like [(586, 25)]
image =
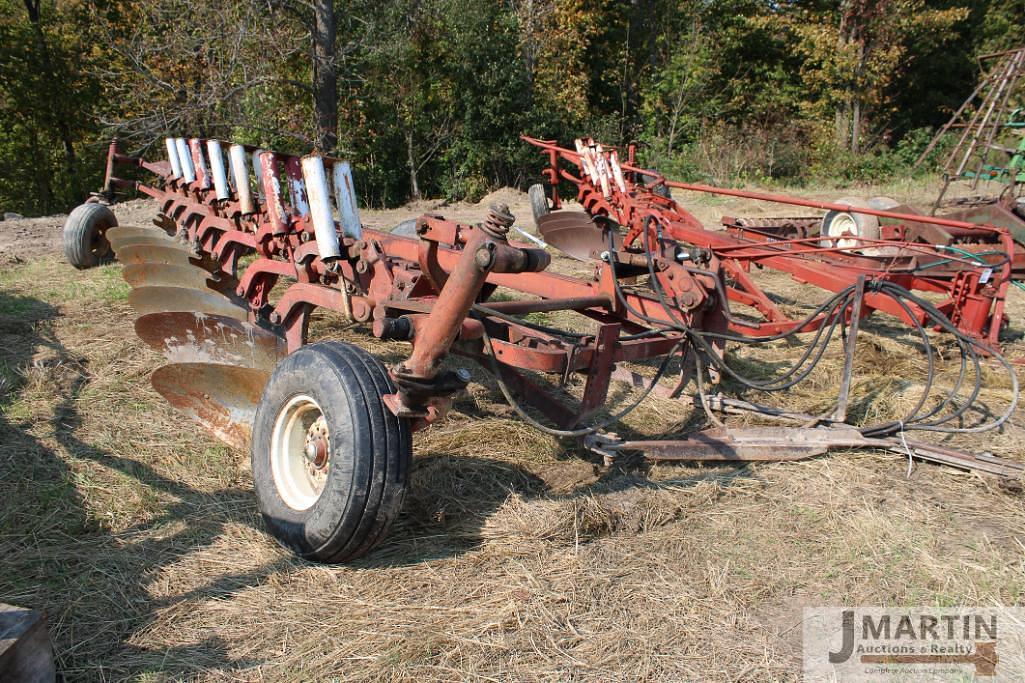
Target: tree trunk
[(325, 75), (856, 125), (414, 186), (60, 120)]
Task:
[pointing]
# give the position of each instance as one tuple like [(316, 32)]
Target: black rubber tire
[(538, 201), (370, 453), (85, 242)]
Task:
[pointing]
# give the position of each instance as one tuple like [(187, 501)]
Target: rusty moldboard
[(189, 337), (182, 299), (164, 275), (221, 398), (157, 253), (119, 242), (573, 233)]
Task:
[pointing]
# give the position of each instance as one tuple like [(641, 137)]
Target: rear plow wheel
[(330, 461), (849, 230), (538, 201), (85, 235)]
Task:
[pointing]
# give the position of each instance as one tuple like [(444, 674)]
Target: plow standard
[(249, 242)]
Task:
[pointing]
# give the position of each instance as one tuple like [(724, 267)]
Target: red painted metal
[(974, 291)]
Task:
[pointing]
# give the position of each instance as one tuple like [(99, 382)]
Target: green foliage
[(434, 94)]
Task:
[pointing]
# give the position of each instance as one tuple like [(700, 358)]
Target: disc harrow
[(249, 242)]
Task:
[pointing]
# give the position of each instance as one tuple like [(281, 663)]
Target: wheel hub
[(316, 450), (300, 452)]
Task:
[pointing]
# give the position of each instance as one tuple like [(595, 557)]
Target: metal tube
[(345, 198), (231, 172), (213, 150), (319, 193), (258, 170), (296, 186), (826, 206), (272, 192), (547, 305), (199, 163), (188, 172), (439, 329), (241, 175), (172, 156)]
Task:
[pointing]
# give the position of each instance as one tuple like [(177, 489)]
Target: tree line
[(429, 97)]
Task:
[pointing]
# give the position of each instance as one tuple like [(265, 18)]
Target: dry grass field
[(517, 556)]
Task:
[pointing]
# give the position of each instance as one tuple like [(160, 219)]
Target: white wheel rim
[(843, 224), (300, 452)]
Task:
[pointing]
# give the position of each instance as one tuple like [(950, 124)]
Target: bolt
[(463, 374), (275, 317), (605, 256)]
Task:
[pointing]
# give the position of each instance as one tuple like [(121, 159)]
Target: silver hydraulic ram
[(188, 172), (241, 174), (345, 198), (172, 157), (213, 150), (318, 192)]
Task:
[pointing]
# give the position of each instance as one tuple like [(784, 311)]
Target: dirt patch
[(24, 239)]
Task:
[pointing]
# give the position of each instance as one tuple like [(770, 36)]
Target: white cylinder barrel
[(172, 157), (237, 155), (617, 171), (345, 198), (258, 170), (296, 186), (202, 173), (318, 192), (272, 192), (213, 150), (185, 157)]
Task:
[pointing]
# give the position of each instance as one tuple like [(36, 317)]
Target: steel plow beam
[(184, 300), (221, 398), (772, 444), (188, 337)]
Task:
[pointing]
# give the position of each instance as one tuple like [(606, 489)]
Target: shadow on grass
[(96, 585), (58, 556)]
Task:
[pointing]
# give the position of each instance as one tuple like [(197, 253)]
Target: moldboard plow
[(249, 242)]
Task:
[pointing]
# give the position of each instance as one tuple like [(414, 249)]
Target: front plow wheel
[(330, 461), (85, 235)]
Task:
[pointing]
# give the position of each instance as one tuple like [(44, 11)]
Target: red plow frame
[(969, 264), (245, 252)]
